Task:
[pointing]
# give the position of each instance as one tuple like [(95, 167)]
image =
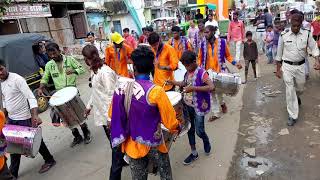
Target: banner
[(19, 11)]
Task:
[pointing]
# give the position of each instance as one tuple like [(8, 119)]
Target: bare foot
[(213, 118)]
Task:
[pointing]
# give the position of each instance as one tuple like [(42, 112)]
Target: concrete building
[(160, 8), (62, 20)]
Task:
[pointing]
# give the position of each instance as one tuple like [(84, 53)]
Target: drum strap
[(128, 97)]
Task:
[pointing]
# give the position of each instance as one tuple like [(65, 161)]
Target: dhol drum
[(68, 104), (22, 140), (176, 101), (180, 72), (226, 83)]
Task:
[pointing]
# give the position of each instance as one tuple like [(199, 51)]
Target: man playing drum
[(197, 87), (165, 62), (64, 71), (213, 55), (179, 43), (21, 108), (138, 109)]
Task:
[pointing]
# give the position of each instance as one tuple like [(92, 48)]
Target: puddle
[(264, 166)]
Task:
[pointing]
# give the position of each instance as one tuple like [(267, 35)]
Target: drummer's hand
[(70, 71), (87, 112), (36, 121), (239, 66), (188, 89), (40, 92), (170, 82), (279, 74)]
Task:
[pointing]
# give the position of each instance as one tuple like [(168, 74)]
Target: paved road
[(93, 161), (293, 156)]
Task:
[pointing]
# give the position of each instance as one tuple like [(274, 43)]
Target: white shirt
[(212, 23), (103, 86), (215, 24), (293, 47), (18, 99), (99, 46)]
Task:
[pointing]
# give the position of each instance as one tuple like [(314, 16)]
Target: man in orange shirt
[(165, 62), (117, 56), (179, 43), (213, 55), (4, 171), (138, 110)]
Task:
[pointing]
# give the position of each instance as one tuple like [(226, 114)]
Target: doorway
[(117, 27)]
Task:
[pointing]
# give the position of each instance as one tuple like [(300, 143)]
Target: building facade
[(64, 21)]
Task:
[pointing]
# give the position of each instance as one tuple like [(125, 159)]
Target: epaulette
[(284, 32), (306, 29)]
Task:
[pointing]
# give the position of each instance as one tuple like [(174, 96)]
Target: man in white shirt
[(21, 108), (213, 23), (92, 40)]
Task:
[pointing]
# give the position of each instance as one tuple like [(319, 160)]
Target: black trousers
[(84, 128), (15, 158), (117, 159), (5, 173)]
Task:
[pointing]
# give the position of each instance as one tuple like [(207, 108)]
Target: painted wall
[(126, 21), (96, 21)]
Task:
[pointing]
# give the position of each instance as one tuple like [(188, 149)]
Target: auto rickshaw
[(16, 50)]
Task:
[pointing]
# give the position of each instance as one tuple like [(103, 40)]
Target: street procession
[(159, 89)]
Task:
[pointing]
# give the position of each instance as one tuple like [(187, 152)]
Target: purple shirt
[(276, 38)]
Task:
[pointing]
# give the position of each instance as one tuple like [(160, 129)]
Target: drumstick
[(50, 96), (165, 83)]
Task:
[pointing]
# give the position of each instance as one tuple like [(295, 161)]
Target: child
[(250, 55), (4, 171), (197, 87), (276, 31), (269, 43)]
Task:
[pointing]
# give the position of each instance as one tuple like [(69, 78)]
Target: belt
[(295, 63)]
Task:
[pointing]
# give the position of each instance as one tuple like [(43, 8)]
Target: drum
[(226, 83), (180, 72), (68, 104), (176, 101), (22, 140)]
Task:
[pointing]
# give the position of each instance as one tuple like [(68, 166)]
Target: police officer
[(292, 50)]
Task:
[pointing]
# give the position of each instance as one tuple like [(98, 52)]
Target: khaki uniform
[(293, 48)]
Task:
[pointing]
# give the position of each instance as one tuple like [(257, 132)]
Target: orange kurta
[(167, 57), (158, 97), (178, 47), (120, 66), (2, 122), (212, 61)]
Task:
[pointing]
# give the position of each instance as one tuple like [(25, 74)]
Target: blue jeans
[(269, 54), (197, 125)]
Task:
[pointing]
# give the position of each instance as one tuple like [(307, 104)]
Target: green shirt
[(60, 78)]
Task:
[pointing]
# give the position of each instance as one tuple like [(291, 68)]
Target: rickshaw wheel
[(42, 104)]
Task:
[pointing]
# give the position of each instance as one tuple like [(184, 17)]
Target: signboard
[(18, 11)]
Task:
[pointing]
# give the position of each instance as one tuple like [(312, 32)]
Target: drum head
[(174, 97), (180, 72), (63, 96), (36, 142)]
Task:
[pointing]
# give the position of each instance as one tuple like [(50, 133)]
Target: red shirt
[(143, 39), (131, 42)]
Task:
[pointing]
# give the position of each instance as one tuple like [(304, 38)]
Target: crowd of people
[(131, 112)]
